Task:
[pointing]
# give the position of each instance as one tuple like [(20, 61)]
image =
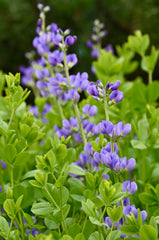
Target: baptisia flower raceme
[(98, 91)]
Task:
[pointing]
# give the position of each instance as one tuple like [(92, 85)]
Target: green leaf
[(96, 236), (90, 179), (61, 152), (74, 169), (9, 207), (153, 223), (147, 198), (66, 237), (80, 236), (42, 208), (113, 235), (10, 153), (147, 232), (4, 227), (29, 219), (115, 213), (18, 203), (95, 221), (139, 43), (50, 224), (88, 207), (74, 229), (21, 158), (138, 144), (129, 230), (148, 62)]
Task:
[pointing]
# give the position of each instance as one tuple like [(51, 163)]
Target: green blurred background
[(121, 17)]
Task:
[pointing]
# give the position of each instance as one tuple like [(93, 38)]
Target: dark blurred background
[(121, 17)]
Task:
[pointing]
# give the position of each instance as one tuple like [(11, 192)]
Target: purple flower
[(143, 215), (71, 60), (55, 57), (109, 48), (0, 188), (88, 148), (89, 110), (53, 27), (106, 127), (114, 86), (92, 90), (70, 40), (3, 164), (130, 187), (34, 110), (41, 74), (131, 164), (116, 96), (108, 221), (95, 53), (89, 44)]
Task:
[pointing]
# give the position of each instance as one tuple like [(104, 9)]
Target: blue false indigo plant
[(68, 170)]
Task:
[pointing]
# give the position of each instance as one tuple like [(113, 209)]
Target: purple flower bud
[(40, 6), (70, 40), (105, 127), (34, 110), (105, 176), (0, 188), (3, 165), (126, 129), (39, 22), (143, 215), (108, 221), (115, 86), (116, 96), (109, 48), (95, 53), (71, 59), (53, 27), (130, 187), (131, 164), (89, 110), (89, 44), (93, 70), (88, 148), (92, 89)]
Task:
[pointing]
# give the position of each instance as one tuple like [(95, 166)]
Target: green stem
[(84, 225), (112, 146), (12, 177), (143, 167), (53, 201), (22, 226), (150, 77), (80, 123), (10, 228), (63, 220), (106, 106), (111, 231), (43, 22), (11, 118), (103, 213), (60, 111)]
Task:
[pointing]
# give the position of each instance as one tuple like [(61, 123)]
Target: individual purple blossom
[(34, 110), (113, 86), (89, 110), (89, 44), (88, 148), (55, 57), (53, 27), (93, 90), (3, 164), (130, 187), (71, 60), (41, 74), (95, 53), (108, 221), (116, 96), (46, 109), (109, 47), (70, 40), (131, 164), (0, 188)]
